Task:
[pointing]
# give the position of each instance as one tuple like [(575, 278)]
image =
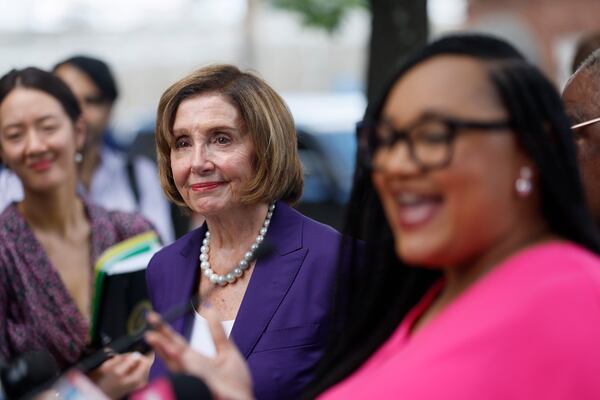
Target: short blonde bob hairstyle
[(277, 168)]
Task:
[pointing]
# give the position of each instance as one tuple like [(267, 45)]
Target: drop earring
[(78, 157), (523, 184)]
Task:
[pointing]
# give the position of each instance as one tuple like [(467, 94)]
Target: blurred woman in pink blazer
[(481, 278)]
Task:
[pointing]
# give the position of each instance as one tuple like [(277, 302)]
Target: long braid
[(380, 288), (537, 113), (385, 291)]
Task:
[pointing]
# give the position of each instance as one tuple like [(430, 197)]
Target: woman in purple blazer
[(226, 148)]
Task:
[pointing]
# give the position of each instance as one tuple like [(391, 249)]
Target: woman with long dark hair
[(50, 241), (480, 277)]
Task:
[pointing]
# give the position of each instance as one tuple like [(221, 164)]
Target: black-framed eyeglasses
[(430, 139)]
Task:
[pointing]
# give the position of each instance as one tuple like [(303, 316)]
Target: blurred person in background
[(581, 97), (113, 180), (109, 177), (226, 145), (52, 238), (481, 275)]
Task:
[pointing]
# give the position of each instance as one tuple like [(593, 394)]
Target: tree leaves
[(325, 14)]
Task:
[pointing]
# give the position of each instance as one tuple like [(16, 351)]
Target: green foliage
[(325, 14)]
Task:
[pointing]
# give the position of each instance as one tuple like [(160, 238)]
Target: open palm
[(227, 374)]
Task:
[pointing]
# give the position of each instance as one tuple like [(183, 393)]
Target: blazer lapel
[(186, 278), (271, 278)]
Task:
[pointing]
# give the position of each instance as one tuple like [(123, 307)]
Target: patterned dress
[(36, 310)]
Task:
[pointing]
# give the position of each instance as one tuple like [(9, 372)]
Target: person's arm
[(227, 374)]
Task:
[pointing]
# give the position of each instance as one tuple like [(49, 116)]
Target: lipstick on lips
[(204, 186), (41, 165)]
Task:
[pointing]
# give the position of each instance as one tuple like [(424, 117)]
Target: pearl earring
[(78, 157), (523, 184)]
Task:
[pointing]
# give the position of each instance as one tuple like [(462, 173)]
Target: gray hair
[(591, 64)]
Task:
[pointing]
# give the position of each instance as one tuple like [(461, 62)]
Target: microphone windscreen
[(264, 251), (187, 387), (28, 373)]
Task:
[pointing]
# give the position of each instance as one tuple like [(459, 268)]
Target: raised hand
[(226, 374)]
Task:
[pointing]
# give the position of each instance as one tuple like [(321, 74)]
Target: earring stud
[(523, 184)]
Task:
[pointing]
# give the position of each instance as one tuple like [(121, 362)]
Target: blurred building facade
[(152, 43), (546, 30)]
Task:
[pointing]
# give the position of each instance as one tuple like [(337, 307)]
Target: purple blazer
[(281, 325)]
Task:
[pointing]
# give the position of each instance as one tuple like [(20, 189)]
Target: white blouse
[(201, 339)]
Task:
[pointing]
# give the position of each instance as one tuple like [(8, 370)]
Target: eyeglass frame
[(455, 126), (585, 123)]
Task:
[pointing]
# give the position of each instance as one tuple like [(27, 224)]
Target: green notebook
[(120, 295)]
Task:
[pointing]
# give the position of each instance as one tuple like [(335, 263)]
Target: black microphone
[(27, 375), (174, 387), (136, 342)]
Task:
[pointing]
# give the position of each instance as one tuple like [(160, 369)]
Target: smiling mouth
[(416, 210), (200, 187), (41, 165)]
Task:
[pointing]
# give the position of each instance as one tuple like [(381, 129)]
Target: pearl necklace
[(237, 271)]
